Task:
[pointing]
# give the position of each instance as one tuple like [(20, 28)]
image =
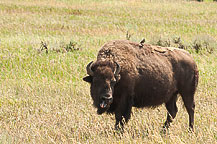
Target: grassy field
[(46, 44)]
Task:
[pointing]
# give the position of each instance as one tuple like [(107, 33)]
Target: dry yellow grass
[(42, 96)]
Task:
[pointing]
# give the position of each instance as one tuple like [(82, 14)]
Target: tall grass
[(42, 96)]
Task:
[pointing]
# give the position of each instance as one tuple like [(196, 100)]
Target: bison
[(128, 74)]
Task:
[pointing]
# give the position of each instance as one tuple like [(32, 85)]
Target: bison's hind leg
[(189, 103), (171, 110), (187, 93)]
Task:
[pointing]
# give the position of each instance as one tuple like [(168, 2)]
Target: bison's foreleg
[(123, 112)]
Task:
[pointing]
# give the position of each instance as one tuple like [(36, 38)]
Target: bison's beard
[(101, 111)]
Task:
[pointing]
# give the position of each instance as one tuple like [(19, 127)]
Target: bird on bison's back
[(126, 75)]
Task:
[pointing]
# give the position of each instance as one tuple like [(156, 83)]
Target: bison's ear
[(88, 79)]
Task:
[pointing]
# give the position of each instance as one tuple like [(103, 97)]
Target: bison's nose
[(107, 97)]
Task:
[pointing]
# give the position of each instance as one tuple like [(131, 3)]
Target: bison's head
[(103, 75)]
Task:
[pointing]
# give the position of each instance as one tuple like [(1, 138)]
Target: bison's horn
[(117, 70), (89, 70)]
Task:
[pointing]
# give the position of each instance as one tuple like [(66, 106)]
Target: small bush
[(44, 46), (201, 43), (128, 35), (204, 43), (61, 47), (170, 42), (72, 46)]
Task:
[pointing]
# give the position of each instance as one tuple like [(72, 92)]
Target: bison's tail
[(195, 80)]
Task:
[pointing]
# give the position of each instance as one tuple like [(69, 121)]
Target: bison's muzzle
[(106, 100)]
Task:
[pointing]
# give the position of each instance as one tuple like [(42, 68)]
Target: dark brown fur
[(149, 77)]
